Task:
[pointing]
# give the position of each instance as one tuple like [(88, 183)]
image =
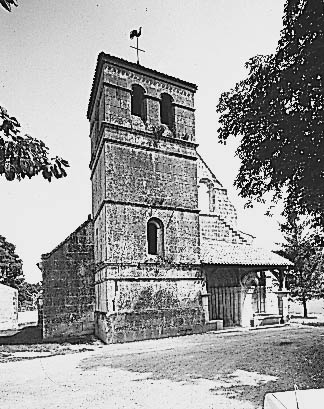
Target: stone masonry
[(68, 282), (161, 255), (142, 169)]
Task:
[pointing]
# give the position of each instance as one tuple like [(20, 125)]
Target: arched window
[(138, 102), (155, 237), (167, 110), (204, 195)]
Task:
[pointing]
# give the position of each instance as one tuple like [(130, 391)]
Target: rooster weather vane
[(6, 4), (136, 33)]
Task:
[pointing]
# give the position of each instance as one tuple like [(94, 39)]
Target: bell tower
[(144, 202)]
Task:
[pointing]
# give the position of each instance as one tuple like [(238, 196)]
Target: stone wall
[(123, 286), (153, 170), (213, 228), (150, 177), (139, 184), (148, 324), (118, 83), (216, 195), (8, 308), (68, 283), (124, 238), (162, 300)]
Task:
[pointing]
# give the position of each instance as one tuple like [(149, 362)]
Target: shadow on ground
[(244, 366), (27, 335), (33, 335)]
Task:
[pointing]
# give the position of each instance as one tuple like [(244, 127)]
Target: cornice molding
[(135, 68), (143, 205), (103, 139)]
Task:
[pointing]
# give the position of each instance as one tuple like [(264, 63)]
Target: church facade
[(161, 254)]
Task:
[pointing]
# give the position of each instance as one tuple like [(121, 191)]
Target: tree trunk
[(304, 301)]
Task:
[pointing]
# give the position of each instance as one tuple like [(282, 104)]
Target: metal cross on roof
[(136, 33)]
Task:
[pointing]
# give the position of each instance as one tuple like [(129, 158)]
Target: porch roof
[(221, 252)]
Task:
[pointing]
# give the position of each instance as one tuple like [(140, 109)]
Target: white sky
[(48, 53)]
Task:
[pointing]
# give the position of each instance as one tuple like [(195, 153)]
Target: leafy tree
[(11, 274), (10, 265), (303, 247), (22, 155), (28, 294), (6, 4), (278, 111)]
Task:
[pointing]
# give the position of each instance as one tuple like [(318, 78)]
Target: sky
[(48, 54)]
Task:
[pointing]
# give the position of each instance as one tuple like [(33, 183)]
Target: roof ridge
[(212, 173), (47, 255)]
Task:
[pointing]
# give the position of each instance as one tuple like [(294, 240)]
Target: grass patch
[(289, 355)]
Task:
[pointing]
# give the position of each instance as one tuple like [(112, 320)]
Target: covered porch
[(245, 285)]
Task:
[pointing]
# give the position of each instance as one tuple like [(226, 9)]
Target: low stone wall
[(147, 324)]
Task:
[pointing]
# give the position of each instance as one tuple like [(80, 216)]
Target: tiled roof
[(220, 252)]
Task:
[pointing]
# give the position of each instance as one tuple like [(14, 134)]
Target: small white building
[(8, 308)]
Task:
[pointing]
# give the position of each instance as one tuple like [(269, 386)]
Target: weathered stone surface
[(213, 228), (68, 282), (111, 101), (124, 235), (138, 173), (216, 200), (151, 323), (126, 288), (157, 208)]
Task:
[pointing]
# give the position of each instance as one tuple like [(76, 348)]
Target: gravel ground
[(232, 370)]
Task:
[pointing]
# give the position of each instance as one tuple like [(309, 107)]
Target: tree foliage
[(29, 294), (304, 248), (7, 4), (11, 272), (278, 111), (23, 155)]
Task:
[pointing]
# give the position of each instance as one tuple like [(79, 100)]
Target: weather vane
[(136, 33)]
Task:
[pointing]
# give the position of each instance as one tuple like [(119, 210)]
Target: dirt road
[(207, 371)]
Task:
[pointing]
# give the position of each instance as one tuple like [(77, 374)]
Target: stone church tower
[(145, 203), (161, 255)]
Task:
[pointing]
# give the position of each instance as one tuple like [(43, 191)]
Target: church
[(161, 254)]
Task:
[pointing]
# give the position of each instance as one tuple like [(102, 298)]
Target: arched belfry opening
[(167, 110), (138, 102), (204, 188), (155, 237)]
